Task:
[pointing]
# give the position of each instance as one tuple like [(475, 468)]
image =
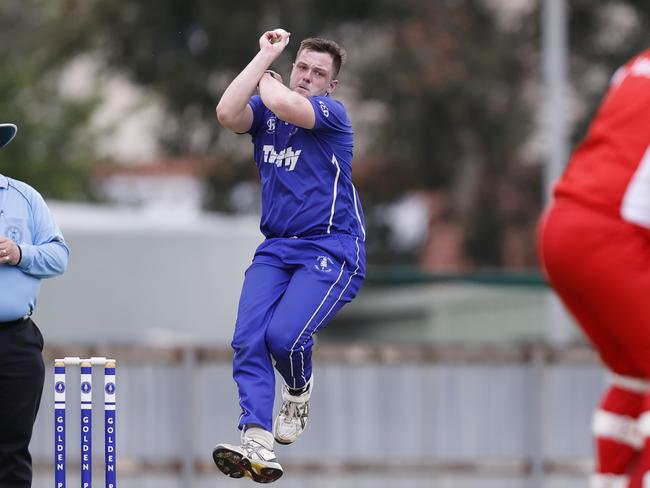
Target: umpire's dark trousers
[(21, 384)]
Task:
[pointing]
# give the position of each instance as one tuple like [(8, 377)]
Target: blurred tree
[(54, 147), (463, 93), (459, 115), (601, 40)]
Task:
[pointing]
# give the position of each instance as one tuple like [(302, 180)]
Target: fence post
[(537, 415), (188, 432)]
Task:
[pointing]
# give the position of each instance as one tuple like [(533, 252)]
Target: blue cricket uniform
[(313, 259)]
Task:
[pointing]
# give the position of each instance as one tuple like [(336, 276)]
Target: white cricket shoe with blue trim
[(294, 414), (251, 459)]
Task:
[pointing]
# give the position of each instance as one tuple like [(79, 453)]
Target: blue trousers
[(292, 289)]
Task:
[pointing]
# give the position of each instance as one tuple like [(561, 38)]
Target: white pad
[(644, 424), (625, 430), (608, 481), (630, 383)]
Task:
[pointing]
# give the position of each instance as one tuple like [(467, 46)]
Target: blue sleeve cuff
[(28, 252)]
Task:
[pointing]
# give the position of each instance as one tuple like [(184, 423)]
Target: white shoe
[(251, 459), (293, 415)]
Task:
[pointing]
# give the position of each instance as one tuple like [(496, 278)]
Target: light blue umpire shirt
[(26, 219)]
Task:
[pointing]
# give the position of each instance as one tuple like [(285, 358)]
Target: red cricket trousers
[(600, 267)]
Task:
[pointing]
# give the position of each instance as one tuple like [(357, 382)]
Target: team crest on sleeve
[(323, 264), (270, 125), (324, 109)]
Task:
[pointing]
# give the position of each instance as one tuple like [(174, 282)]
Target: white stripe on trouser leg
[(646, 480), (620, 428), (302, 363), (355, 272), (293, 346), (608, 481), (629, 383)]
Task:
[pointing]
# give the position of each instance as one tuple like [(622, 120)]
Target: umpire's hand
[(9, 252)]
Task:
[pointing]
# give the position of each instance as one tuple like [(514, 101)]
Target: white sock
[(257, 434)]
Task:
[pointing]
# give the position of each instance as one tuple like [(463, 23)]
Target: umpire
[(31, 248)]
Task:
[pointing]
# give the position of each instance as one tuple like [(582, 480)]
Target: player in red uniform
[(594, 245)]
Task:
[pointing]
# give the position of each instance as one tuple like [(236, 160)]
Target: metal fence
[(462, 416)]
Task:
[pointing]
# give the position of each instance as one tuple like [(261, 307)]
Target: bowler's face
[(312, 74)]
